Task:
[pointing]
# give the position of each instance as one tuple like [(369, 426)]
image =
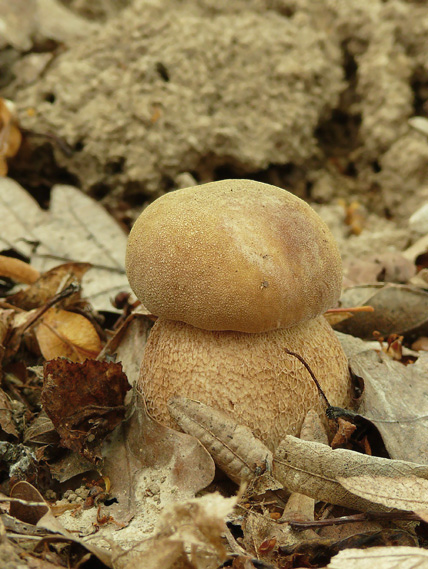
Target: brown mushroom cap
[(233, 255), (249, 375)]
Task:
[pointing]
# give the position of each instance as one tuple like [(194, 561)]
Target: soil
[(311, 95)]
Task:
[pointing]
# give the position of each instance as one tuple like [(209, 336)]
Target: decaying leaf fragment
[(233, 447), (61, 333), (314, 469), (84, 401)]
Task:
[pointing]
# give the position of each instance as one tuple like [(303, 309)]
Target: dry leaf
[(20, 215), (88, 234), (163, 553), (402, 492), (398, 309), (421, 344), (233, 447), (49, 284), (76, 229), (17, 270), (141, 452), (343, 433), (381, 558), (84, 401), (61, 333), (395, 399), (313, 469)]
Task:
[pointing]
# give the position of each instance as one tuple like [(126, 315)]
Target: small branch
[(367, 516), (68, 291)]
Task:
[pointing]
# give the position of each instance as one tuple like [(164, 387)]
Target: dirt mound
[(311, 95)]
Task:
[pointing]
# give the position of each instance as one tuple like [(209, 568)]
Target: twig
[(367, 516)]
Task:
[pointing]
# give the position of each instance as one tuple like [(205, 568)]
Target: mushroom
[(239, 274)]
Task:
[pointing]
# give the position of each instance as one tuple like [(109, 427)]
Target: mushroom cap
[(248, 375), (233, 255)]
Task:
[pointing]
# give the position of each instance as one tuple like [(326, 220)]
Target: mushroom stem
[(262, 379)]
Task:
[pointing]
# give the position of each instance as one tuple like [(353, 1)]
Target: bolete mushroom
[(238, 272)]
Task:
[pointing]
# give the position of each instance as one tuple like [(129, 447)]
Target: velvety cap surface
[(233, 255)]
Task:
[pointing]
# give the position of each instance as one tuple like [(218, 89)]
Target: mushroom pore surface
[(249, 375), (233, 255)]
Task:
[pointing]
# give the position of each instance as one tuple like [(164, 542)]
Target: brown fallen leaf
[(61, 333), (395, 399), (401, 492), (398, 309), (233, 447), (400, 557), (17, 270), (85, 401), (41, 431), (313, 469)]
